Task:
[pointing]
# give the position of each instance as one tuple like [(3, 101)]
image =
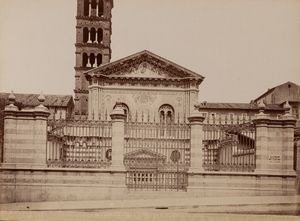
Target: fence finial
[(11, 98), (136, 116), (288, 108), (261, 107), (41, 98)]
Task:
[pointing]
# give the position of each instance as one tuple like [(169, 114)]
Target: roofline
[(272, 89), (151, 54), (255, 107)]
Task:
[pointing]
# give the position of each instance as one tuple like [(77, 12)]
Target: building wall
[(146, 100)]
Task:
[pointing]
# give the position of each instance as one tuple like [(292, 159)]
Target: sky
[(241, 47)]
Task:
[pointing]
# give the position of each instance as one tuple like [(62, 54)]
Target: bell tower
[(93, 39)]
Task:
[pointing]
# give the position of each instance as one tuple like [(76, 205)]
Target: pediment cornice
[(143, 65)]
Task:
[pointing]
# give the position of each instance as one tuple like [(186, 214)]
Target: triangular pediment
[(144, 154), (143, 65)]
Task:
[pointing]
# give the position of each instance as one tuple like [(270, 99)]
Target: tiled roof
[(31, 100), (237, 106)]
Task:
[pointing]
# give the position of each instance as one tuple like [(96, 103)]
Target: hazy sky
[(242, 47)]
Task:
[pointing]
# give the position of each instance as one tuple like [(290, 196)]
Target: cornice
[(93, 18), (81, 91), (92, 45), (170, 89)]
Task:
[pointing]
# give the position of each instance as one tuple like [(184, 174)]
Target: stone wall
[(20, 185)]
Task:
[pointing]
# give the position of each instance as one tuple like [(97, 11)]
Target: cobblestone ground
[(163, 214)]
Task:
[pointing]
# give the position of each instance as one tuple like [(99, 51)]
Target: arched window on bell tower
[(86, 8), (100, 35), (94, 4), (99, 59), (85, 35), (93, 35), (100, 8), (84, 59), (93, 60)]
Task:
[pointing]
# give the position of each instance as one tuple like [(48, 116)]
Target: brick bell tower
[(93, 39)]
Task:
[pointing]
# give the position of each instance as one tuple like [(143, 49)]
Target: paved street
[(136, 214), (229, 208)]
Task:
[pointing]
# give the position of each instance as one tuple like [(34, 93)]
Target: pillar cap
[(41, 108), (12, 101), (196, 118), (118, 112)]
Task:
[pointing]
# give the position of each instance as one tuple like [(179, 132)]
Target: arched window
[(86, 8), (93, 35), (92, 60), (100, 8), (94, 4), (166, 113), (100, 35), (99, 59), (85, 35), (84, 59)]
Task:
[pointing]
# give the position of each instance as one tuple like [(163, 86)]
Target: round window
[(175, 156)]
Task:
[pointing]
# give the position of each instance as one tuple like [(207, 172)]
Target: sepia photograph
[(149, 110)]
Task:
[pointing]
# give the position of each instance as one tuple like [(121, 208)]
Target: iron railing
[(229, 147), (79, 144)]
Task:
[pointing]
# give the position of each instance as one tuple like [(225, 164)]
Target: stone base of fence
[(37, 185)]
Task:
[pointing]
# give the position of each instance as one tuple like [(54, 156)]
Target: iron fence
[(229, 147), (79, 144)]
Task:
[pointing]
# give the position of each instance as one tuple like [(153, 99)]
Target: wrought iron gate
[(157, 156)]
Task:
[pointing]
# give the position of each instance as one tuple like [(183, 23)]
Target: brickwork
[(93, 39)]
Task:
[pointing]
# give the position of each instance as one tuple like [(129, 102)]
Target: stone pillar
[(118, 132), (25, 136), (274, 144), (196, 122)]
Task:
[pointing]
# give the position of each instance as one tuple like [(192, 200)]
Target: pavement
[(214, 208)]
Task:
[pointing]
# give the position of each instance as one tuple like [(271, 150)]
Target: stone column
[(118, 132), (196, 122), (89, 36)]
